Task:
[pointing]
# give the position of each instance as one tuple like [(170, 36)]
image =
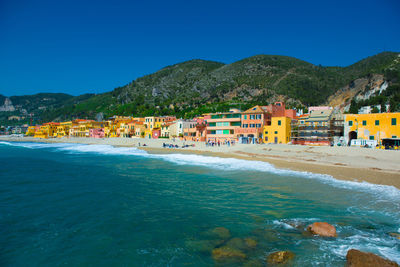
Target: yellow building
[(152, 123), (47, 130), (114, 126), (376, 126), (63, 129), (139, 129), (81, 128), (278, 132), (31, 131)]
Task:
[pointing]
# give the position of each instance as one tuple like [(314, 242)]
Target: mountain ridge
[(196, 86)]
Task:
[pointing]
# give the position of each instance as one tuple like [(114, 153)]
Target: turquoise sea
[(98, 205)]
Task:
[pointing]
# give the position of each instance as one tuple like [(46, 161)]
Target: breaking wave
[(227, 164)]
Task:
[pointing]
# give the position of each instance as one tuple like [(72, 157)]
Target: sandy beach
[(345, 163)]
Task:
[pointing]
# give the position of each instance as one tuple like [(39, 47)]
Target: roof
[(303, 116), (255, 109), (320, 115)]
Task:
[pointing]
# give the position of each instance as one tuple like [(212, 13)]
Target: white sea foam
[(228, 164), (385, 246), (103, 149)]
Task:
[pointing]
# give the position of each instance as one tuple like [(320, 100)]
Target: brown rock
[(203, 245), (236, 243), (226, 252), (322, 229), (280, 257), (251, 243), (221, 232), (395, 235), (356, 258)]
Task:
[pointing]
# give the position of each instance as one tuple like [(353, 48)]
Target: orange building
[(253, 122)]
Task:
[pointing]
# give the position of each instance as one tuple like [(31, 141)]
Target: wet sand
[(345, 163)]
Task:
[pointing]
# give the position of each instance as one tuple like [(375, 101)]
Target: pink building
[(198, 132), (278, 109), (156, 134), (96, 133)]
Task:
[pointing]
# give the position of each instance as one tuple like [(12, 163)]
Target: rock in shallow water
[(395, 235), (356, 258), (322, 229), (219, 232), (236, 243), (203, 245), (225, 252), (250, 243), (280, 257)]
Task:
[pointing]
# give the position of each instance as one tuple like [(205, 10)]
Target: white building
[(176, 129)]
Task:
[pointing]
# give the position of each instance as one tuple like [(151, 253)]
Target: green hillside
[(198, 86)]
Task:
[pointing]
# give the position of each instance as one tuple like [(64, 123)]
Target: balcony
[(248, 130), (313, 128), (316, 134), (209, 128), (223, 119)]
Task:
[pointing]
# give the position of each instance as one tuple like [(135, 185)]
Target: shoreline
[(374, 166)]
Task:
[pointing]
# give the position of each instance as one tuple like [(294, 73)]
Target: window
[(371, 137), (276, 132), (266, 139), (279, 122), (394, 136), (252, 117), (245, 117), (266, 132), (259, 125), (377, 122), (364, 123), (394, 122), (350, 123)]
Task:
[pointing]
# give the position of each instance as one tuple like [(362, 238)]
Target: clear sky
[(81, 46)]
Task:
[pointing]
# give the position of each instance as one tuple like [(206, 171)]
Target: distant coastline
[(343, 163)]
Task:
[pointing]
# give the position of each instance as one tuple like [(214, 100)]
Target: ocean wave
[(349, 237), (103, 149), (384, 246), (227, 164)]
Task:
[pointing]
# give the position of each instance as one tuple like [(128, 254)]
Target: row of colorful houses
[(259, 124)]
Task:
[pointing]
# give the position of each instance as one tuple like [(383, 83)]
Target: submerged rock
[(226, 253), (236, 243), (203, 245), (322, 229), (280, 257), (219, 232), (251, 243), (356, 258), (269, 235)]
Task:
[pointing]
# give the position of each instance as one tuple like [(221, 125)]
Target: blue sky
[(81, 47)]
